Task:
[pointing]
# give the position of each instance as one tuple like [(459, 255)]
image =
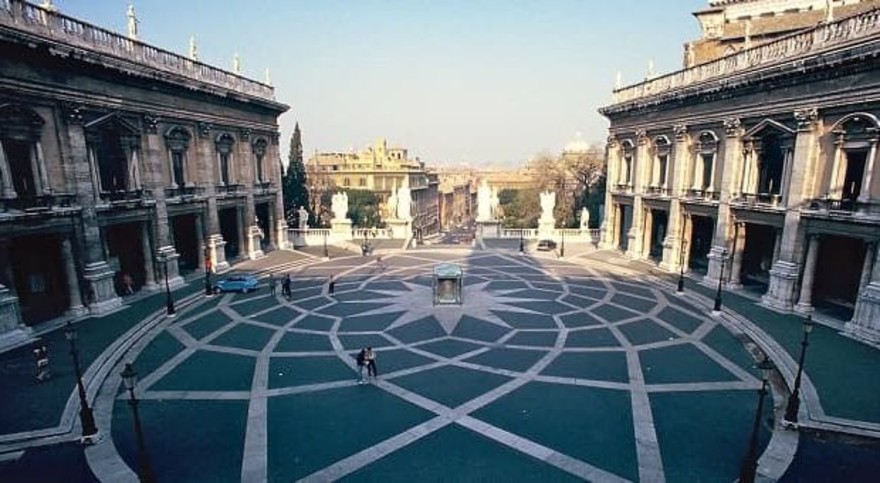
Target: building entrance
[(38, 272), (186, 242), (838, 273), (262, 211), (126, 256), (757, 258), (702, 231), (624, 226), (659, 223), (230, 230)]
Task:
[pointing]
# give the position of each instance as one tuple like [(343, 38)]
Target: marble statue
[(193, 49), (391, 204), (132, 23), (484, 202), (236, 64), (585, 219), (548, 202), (339, 205), (495, 203), (404, 203), (303, 217)]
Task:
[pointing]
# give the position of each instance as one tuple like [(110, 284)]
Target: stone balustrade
[(33, 19)]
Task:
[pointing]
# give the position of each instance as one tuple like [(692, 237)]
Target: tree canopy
[(294, 184)]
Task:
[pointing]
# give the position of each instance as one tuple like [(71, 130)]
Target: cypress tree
[(294, 183)]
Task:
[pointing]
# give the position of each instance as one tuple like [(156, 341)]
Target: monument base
[(488, 229), (546, 228), (398, 228)]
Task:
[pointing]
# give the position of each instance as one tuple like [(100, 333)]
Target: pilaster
[(721, 240), (678, 176), (76, 308), (149, 267), (805, 300), (865, 324), (609, 222), (739, 242)]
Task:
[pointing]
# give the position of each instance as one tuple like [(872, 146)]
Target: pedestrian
[(331, 286), (272, 284), (379, 263), (41, 357), (361, 362), (285, 286), (127, 284), (370, 358)]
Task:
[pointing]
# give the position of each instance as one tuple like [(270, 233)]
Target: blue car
[(237, 283)]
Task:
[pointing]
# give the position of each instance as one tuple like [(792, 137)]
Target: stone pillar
[(739, 242), (149, 268), (634, 247), (677, 178), (202, 241), (865, 324), (721, 240), (281, 227), (781, 294), (11, 328), (868, 175), (76, 308), (102, 292), (159, 178), (609, 223), (242, 231), (777, 246), (6, 176), (647, 231)]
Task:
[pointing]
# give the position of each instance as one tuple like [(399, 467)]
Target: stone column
[(739, 242), (6, 176), (647, 232), (76, 308), (102, 292), (677, 178), (868, 175), (634, 246), (721, 240), (149, 267), (838, 170), (781, 294), (242, 230), (202, 241), (11, 328), (865, 324), (609, 223), (805, 300), (161, 177), (777, 246), (635, 249)]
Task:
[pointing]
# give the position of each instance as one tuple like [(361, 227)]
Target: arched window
[(113, 145), (177, 140), (661, 162), (223, 144), (704, 167), (626, 168), (855, 150), (259, 146), (22, 171)]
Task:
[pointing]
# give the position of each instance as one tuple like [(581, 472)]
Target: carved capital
[(680, 131), (151, 124), (732, 126), (611, 142), (806, 118), (74, 114), (205, 129), (245, 134), (641, 137)]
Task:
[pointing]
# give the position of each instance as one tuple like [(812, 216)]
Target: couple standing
[(366, 357)]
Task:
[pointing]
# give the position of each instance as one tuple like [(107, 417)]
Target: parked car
[(237, 283), (546, 245)]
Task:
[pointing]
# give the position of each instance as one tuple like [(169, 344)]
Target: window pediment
[(20, 123), (177, 138)]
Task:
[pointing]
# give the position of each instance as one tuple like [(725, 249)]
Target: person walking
[(272, 284), (370, 358), (361, 362), (331, 286), (285, 286)]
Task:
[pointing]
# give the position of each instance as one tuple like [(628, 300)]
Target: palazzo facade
[(759, 168), (122, 164)]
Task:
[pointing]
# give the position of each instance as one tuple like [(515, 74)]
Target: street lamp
[(145, 469), (208, 291), (326, 253), (794, 401), (750, 463), (717, 307), (522, 248), (86, 418), (681, 266), (562, 247), (169, 302)]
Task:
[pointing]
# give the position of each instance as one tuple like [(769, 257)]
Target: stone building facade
[(122, 164), (759, 168), (382, 170)]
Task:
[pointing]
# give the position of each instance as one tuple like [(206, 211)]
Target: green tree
[(363, 208), (521, 208), (294, 184)]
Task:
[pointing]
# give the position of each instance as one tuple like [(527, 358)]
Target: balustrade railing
[(123, 196), (847, 206), (801, 44), (184, 192), (38, 203), (696, 194), (34, 19), (227, 189), (658, 191), (770, 199)]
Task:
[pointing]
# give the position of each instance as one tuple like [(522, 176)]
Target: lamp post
[(208, 291), (717, 307), (86, 418), (750, 463), (326, 253), (522, 248), (562, 247), (169, 302), (794, 401), (145, 469), (681, 266)]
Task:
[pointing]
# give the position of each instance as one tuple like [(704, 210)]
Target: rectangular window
[(224, 168), (855, 170), (177, 171), (708, 160), (662, 162), (259, 168)]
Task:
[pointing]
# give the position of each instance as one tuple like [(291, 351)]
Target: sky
[(482, 82)]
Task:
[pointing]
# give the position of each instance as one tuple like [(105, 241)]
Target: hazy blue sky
[(452, 80)]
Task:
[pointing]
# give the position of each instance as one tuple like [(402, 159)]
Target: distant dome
[(577, 145)]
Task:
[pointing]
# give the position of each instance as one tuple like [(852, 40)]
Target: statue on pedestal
[(339, 205), (548, 202), (484, 202), (303, 217), (585, 219), (404, 203)]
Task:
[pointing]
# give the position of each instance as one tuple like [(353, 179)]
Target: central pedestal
[(546, 227), (398, 228), (488, 229)]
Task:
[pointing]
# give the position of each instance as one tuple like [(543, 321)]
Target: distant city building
[(382, 170), (457, 191), (122, 164), (759, 168)]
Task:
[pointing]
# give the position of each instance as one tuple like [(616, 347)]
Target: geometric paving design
[(537, 376)]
